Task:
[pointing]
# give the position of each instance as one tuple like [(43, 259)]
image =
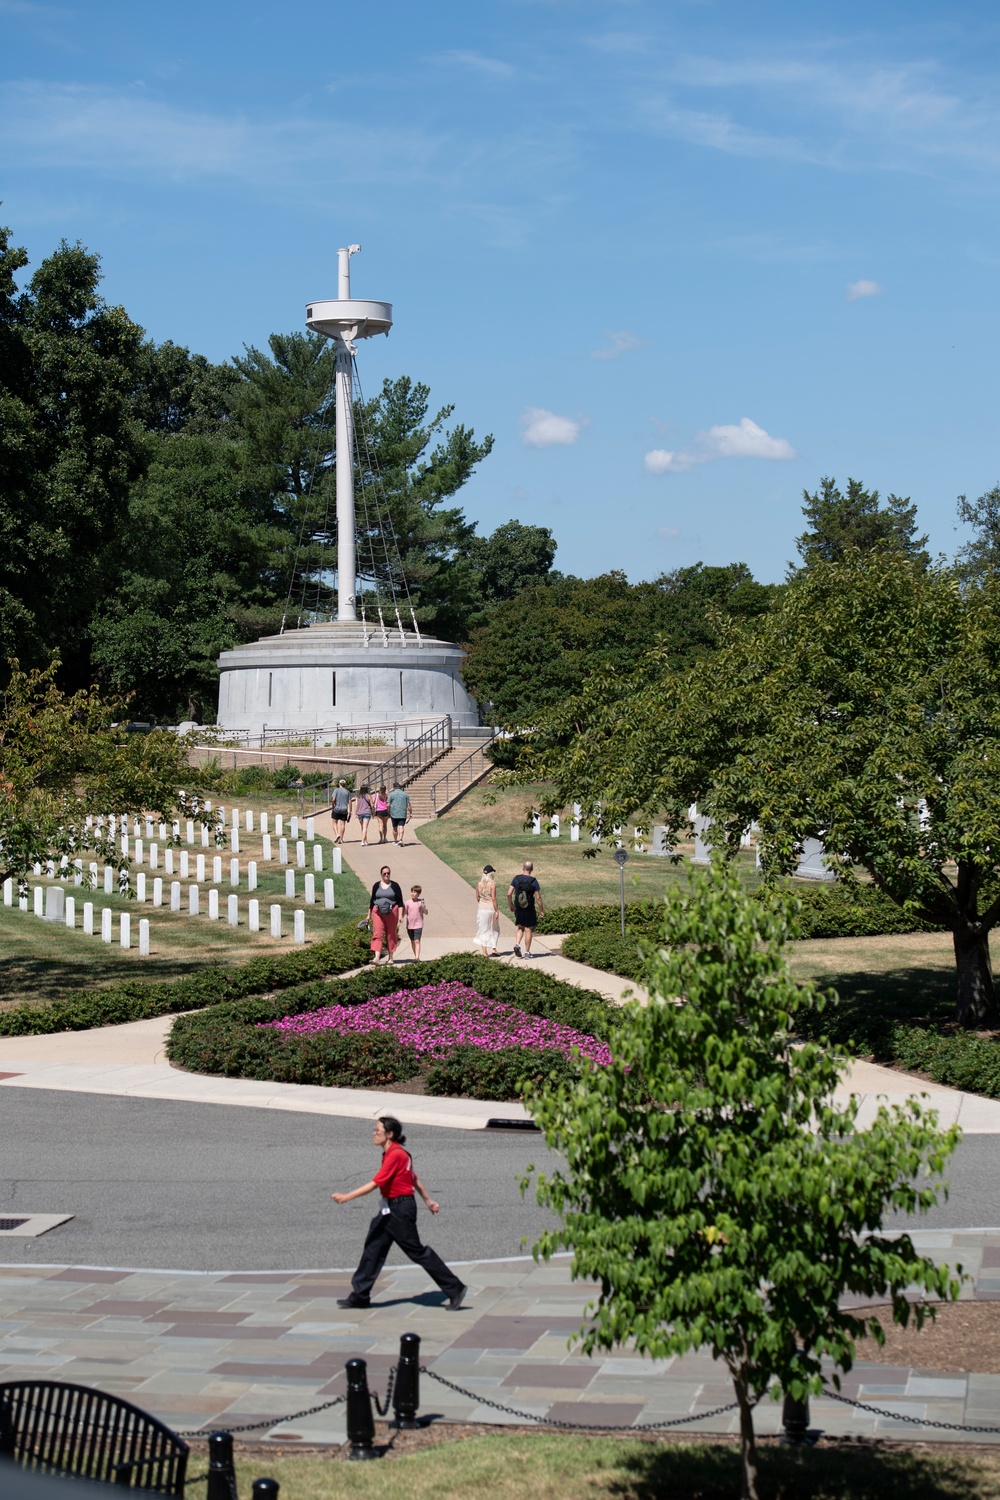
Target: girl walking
[(363, 811), (382, 813), (396, 1221), (383, 911), (416, 911), (487, 913)]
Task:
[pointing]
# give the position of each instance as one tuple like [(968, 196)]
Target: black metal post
[(265, 1489), (360, 1418), (406, 1391), (621, 876), (221, 1470), (795, 1421)]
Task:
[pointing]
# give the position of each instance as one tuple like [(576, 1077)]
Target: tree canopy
[(863, 710), (839, 523), (713, 1189), (981, 555)]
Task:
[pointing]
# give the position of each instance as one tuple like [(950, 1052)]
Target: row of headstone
[(812, 852), (52, 904), (181, 858), (554, 824)]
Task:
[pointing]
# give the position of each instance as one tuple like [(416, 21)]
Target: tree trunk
[(748, 1443), (976, 1003)]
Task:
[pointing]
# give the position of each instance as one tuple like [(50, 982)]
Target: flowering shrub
[(437, 1018)]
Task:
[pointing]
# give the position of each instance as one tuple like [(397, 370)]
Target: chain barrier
[(529, 1416), (881, 1411), (382, 1407), (196, 1479), (310, 1411)]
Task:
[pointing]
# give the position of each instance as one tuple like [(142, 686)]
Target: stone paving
[(208, 1350)]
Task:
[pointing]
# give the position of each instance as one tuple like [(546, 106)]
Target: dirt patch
[(963, 1338)]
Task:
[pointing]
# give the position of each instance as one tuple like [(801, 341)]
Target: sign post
[(620, 857)]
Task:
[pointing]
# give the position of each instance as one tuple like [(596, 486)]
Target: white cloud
[(743, 439), (490, 67), (622, 342), (862, 288), (662, 461), (544, 429), (668, 533)]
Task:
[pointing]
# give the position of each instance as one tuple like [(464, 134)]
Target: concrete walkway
[(204, 1350)]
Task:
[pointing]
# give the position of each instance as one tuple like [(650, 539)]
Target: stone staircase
[(420, 787)]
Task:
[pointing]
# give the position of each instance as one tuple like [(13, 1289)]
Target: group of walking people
[(384, 806), (387, 908)]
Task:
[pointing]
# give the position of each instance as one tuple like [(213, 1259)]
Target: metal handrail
[(418, 753), (479, 754), (321, 736)]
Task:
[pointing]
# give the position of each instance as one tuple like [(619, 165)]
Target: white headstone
[(248, 821), (154, 856), (70, 911), (554, 826), (8, 891), (168, 861), (279, 825), (199, 868), (88, 918), (194, 900), (125, 930), (300, 925), (140, 887), (252, 875), (204, 836), (234, 872), (638, 841), (276, 921), (106, 915), (109, 880), (157, 891), (176, 828), (213, 904), (310, 829), (217, 869), (124, 844), (293, 828), (55, 904), (234, 841), (574, 827), (235, 818), (138, 851), (190, 831), (336, 861), (175, 895), (309, 889), (282, 851), (328, 898), (263, 822), (233, 910), (536, 822), (185, 863), (38, 897), (661, 843), (78, 868), (162, 833), (317, 856), (143, 937), (266, 848), (702, 848), (289, 882), (300, 854), (149, 829), (811, 866), (253, 915)]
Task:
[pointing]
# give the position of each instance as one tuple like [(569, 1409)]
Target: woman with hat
[(487, 913)]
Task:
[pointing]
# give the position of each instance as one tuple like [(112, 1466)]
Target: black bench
[(58, 1428)]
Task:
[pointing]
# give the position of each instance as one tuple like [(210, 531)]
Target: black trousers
[(399, 1226)]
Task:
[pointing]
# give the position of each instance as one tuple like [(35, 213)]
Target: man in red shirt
[(396, 1221)]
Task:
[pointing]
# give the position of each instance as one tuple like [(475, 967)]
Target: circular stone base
[(339, 673)]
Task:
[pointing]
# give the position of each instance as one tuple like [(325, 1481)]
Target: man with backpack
[(522, 894)]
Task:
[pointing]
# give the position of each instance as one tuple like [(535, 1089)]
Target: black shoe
[(517, 949), (353, 1301), (455, 1300)]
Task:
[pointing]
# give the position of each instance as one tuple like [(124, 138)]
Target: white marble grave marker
[(55, 904), (125, 930), (300, 854), (289, 882), (204, 836), (194, 901), (248, 821), (106, 915), (154, 856), (71, 911), (282, 851), (88, 918), (336, 861), (140, 887), (310, 829), (199, 868), (293, 828), (185, 864), (554, 826), (317, 856), (143, 937), (309, 890), (234, 872), (158, 891), (190, 831), (8, 892), (328, 897), (253, 915), (263, 822), (175, 895), (252, 875), (213, 904), (536, 822), (300, 925), (233, 910), (266, 849), (109, 878), (279, 825), (217, 869), (276, 921)]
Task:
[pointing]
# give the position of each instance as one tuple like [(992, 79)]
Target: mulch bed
[(962, 1338)]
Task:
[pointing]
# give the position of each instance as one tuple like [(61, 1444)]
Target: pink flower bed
[(439, 1017)]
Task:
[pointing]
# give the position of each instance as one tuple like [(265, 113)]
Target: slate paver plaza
[(203, 1350)]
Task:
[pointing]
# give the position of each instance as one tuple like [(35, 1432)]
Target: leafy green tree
[(511, 559), (713, 1188), (864, 710), (982, 554), (539, 647), (62, 757), (839, 522), (70, 449)]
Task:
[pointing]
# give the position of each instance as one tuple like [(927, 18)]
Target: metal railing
[(418, 753), (458, 780), (320, 736)]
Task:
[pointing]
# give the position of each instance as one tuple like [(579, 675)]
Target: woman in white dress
[(487, 913)]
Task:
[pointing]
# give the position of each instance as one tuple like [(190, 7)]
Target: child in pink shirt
[(416, 911)]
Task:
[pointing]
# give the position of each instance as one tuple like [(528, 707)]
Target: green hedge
[(471, 1073), (605, 948), (962, 1060), (828, 911), (137, 1001), (227, 1040)]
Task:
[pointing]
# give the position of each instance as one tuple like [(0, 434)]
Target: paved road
[(202, 1187)]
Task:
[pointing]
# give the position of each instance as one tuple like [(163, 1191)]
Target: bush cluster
[(605, 948), (470, 1073), (962, 1060), (137, 1001), (228, 1039)]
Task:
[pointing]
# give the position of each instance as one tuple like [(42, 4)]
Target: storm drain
[(27, 1226)]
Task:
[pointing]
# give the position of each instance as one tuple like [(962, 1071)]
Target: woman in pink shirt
[(416, 911)]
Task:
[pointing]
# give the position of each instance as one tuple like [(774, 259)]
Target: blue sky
[(681, 259)]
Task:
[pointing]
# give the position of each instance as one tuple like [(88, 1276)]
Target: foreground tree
[(713, 1189), (62, 758), (863, 710)]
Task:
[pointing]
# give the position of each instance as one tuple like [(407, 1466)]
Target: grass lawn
[(43, 961), (486, 827), (544, 1466), (882, 980)]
